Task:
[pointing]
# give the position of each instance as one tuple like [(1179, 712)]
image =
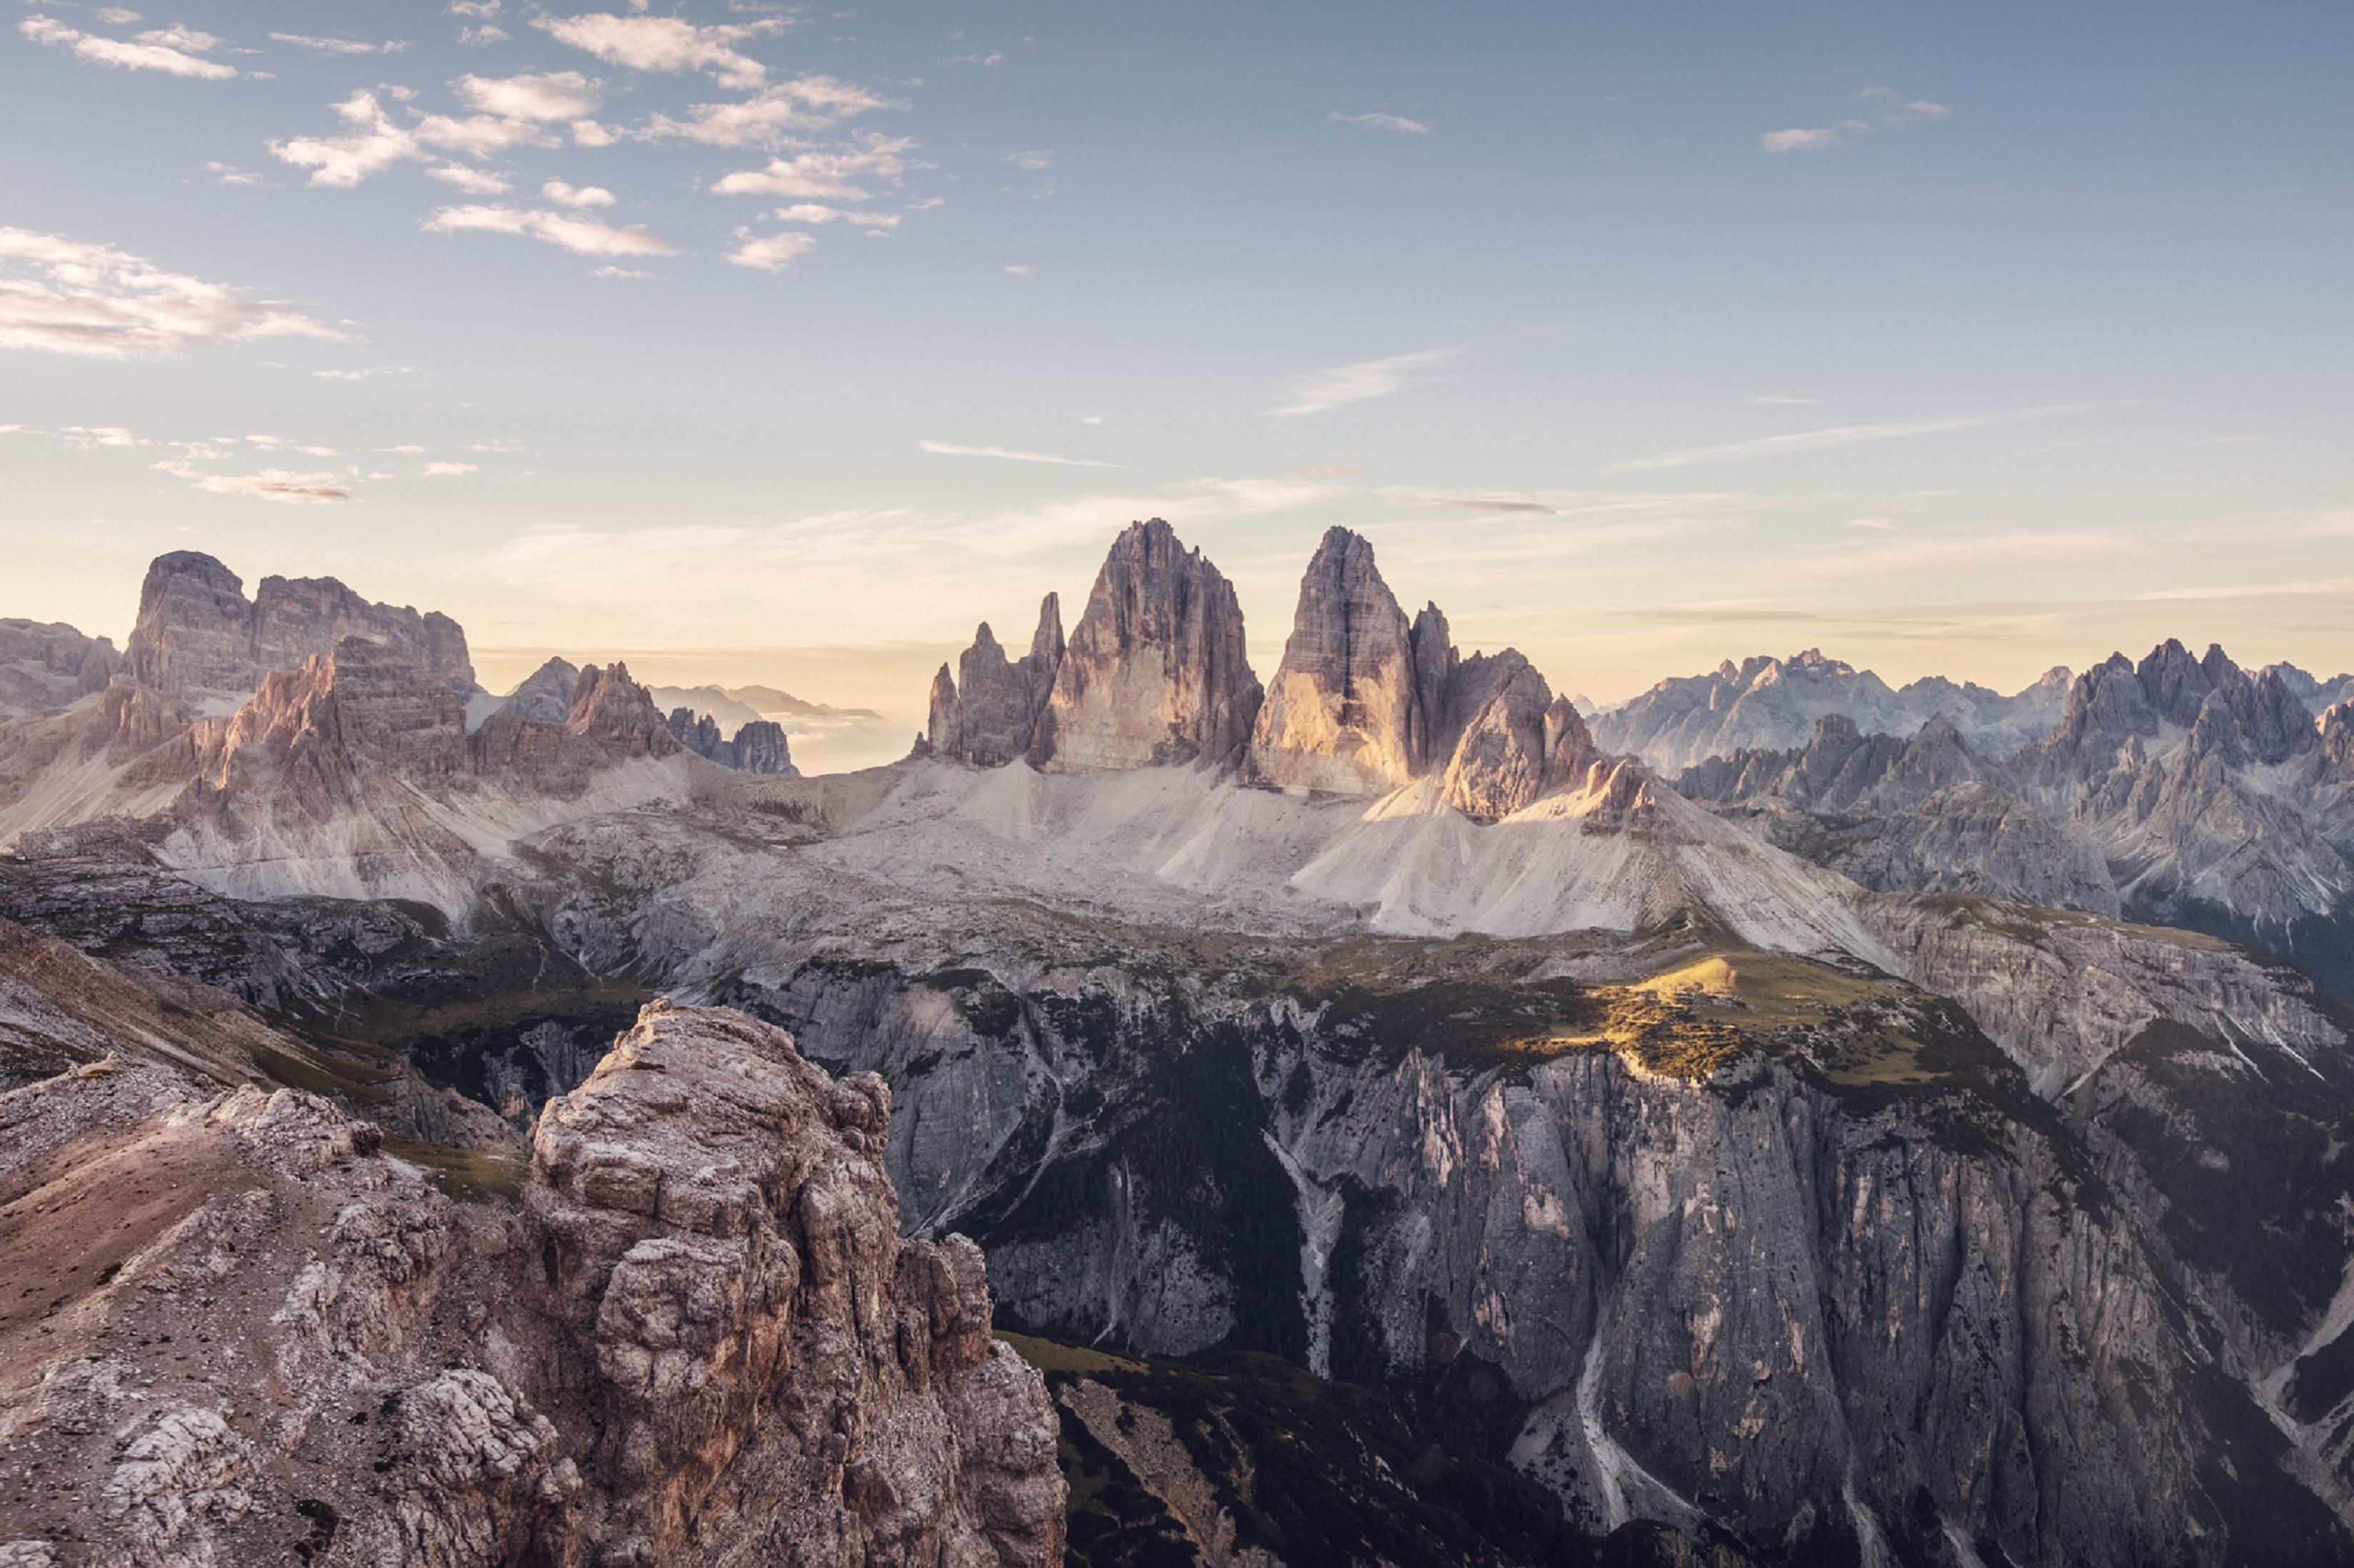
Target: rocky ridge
[(48, 666), (198, 638), (290, 1341), (1765, 703)]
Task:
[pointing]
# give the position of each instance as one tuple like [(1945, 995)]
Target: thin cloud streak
[(1837, 436), (945, 449), (1321, 391)]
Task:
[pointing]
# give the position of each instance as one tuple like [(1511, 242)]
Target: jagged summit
[(1346, 712), (1155, 672), (986, 714), (1766, 705)]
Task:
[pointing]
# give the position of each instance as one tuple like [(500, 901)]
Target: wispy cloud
[(770, 252), (1956, 557), (665, 44), (276, 485), (829, 174), (451, 470), (1837, 436), (339, 46), (368, 374), (1321, 390), (1378, 121), (947, 450), (472, 181), (512, 112), (563, 195), (771, 116), (1034, 160), (1883, 110), (584, 235), (178, 50), (69, 296)]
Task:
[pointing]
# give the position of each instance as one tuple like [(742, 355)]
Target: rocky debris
[(986, 714), (48, 666), (702, 1343), (1155, 674), (198, 637), (1344, 713), (1765, 705), (760, 746)]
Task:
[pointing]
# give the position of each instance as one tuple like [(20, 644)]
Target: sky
[(773, 343)]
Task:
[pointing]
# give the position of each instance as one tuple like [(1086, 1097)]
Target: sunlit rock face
[(1344, 713), (1155, 672)]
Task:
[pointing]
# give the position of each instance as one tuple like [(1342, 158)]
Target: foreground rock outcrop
[(702, 1342)]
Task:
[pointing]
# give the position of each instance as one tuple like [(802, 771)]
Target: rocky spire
[(1342, 713), (1156, 670), (1433, 671), (986, 714)]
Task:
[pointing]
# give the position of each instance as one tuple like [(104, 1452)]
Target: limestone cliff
[(986, 714), (1155, 672), (198, 637), (1344, 712), (48, 666), (702, 1342)]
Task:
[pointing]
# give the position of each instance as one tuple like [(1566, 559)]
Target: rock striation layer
[(986, 714), (1345, 712), (198, 637), (703, 1342), (1155, 674)]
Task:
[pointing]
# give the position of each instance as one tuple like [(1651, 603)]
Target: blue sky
[(1959, 339)]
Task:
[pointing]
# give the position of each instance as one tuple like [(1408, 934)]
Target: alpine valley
[(1379, 1114)]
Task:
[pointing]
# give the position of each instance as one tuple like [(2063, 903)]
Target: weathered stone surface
[(1343, 714), (987, 715), (546, 695), (1925, 815), (1499, 761), (703, 1343), (48, 666), (776, 1375), (1155, 672), (198, 637)]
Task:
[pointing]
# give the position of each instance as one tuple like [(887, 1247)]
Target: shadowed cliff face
[(1761, 1247), (702, 1342)]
